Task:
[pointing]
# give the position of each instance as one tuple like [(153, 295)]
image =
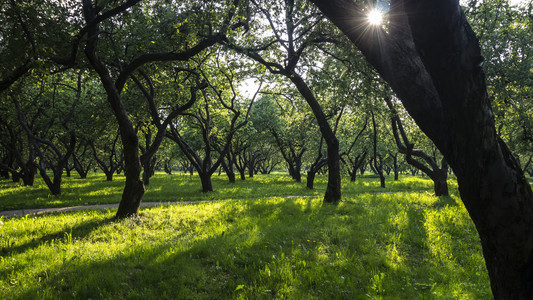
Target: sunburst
[(375, 17)]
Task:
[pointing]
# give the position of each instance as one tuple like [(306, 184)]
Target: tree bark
[(378, 161), (228, 168), (396, 169), (207, 186)]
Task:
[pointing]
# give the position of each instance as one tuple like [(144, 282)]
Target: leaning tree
[(431, 58), (143, 45)]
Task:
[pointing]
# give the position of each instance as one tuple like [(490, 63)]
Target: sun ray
[(375, 17)]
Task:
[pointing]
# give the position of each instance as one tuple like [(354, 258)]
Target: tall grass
[(403, 243)]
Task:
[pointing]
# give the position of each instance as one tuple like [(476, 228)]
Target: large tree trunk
[(432, 61), (333, 189), (134, 186)]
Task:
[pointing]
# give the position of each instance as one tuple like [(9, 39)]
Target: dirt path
[(40, 211)]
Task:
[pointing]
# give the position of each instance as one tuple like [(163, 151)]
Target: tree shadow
[(77, 232), (443, 201), (281, 248)]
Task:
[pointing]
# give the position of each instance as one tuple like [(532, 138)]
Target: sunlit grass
[(183, 187), (405, 245)]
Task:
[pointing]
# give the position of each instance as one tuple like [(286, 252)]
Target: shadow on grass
[(76, 232), (444, 201), (290, 248)]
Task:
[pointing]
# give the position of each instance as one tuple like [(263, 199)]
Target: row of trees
[(62, 123), (127, 82)]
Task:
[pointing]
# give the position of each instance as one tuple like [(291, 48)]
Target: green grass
[(402, 244), (164, 188)]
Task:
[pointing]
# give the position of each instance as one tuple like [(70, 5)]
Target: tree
[(144, 54), (377, 157), (107, 155), (290, 40), (44, 133), (286, 122), (505, 34), (162, 118), (18, 157), (431, 58), (219, 111), (417, 157)]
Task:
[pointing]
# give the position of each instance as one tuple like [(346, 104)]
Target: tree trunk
[(15, 176), (207, 186), (333, 189), (296, 173), (231, 177), (134, 187), (396, 169), (441, 186), (310, 179), (28, 177), (353, 175), (148, 169), (55, 189), (54, 185), (250, 169), (440, 177), (228, 169)]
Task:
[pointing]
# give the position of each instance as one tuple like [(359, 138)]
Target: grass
[(164, 188), (400, 244)]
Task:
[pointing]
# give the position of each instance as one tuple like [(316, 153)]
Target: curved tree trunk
[(134, 186), (228, 169), (433, 62), (333, 189)]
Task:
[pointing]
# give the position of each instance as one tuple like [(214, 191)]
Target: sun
[(375, 17)]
